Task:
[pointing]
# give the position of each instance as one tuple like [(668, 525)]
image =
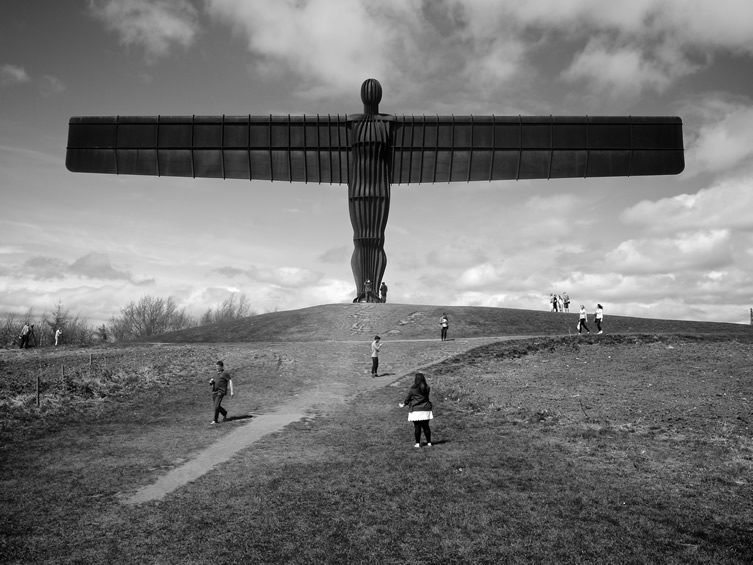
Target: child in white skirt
[(420, 409)]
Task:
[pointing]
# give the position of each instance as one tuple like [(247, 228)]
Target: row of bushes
[(146, 317)]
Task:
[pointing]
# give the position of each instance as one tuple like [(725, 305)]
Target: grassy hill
[(631, 447), (404, 321)]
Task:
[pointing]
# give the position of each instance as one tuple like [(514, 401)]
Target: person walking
[(24, 336), (599, 317), (582, 320), (376, 345), (444, 323), (420, 409), (383, 292), (221, 384), (565, 302), (58, 333)]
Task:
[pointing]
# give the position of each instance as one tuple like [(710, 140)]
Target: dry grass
[(625, 449)]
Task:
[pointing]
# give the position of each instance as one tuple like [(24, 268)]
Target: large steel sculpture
[(371, 151)]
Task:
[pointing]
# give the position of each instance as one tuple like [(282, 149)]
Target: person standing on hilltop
[(221, 384), (444, 323), (420, 409), (376, 345), (383, 292)]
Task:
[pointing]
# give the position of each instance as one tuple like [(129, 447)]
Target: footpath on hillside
[(341, 373)]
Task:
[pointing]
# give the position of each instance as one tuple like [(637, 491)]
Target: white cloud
[(51, 85), (333, 42), (700, 250), (623, 69), (725, 140), (154, 25), (13, 74), (479, 276), (726, 205)]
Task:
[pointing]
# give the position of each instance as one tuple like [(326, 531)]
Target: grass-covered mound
[(601, 449), (404, 321)]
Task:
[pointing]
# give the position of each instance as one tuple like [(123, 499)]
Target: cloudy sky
[(663, 247)]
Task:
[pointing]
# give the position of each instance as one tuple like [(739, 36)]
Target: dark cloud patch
[(91, 266), (43, 268), (336, 255), (230, 271), (97, 266)]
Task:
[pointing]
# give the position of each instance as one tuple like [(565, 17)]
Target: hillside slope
[(342, 322)]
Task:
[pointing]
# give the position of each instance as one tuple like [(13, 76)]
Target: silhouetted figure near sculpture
[(371, 151), (368, 294), (383, 292)]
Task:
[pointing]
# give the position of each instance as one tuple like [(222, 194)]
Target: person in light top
[(376, 345), (599, 317), (582, 320)]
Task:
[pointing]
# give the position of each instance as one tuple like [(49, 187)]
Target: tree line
[(148, 316)]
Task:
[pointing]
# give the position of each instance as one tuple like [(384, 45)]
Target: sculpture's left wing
[(474, 148), (280, 148)]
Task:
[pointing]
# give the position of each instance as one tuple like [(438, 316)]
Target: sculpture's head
[(371, 95)]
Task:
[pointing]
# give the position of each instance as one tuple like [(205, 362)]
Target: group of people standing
[(370, 295), (559, 302)]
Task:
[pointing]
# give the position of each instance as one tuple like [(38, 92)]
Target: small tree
[(147, 317), (227, 311), (10, 330)]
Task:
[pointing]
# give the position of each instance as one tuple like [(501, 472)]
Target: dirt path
[(342, 372)]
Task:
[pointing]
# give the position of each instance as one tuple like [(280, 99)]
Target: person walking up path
[(376, 345), (582, 320), (444, 322), (420, 409), (220, 386)]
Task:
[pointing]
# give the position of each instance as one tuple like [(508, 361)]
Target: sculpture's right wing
[(279, 148), (473, 148)]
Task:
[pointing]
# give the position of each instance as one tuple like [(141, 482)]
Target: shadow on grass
[(236, 418)]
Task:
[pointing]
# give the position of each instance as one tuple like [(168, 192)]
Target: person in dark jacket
[(221, 384), (420, 409)]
